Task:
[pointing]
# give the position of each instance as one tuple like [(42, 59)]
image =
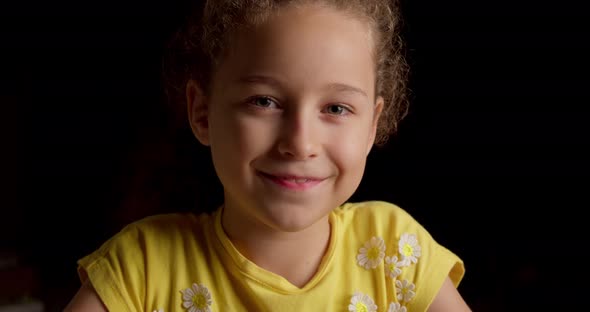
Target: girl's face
[(291, 117)]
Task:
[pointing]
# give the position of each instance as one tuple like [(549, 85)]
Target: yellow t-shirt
[(377, 255)]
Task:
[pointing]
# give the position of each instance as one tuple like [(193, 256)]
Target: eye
[(263, 102), (337, 109)]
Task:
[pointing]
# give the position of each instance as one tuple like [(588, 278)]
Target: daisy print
[(409, 248), (196, 298), (372, 253), (361, 303), (393, 266), (396, 307), (405, 290)]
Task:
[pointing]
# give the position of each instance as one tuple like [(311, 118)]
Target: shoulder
[(168, 222), (416, 263), (120, 269), (166, 225), (380, 216), (376, 207), (151, 230), (155, 234), (140, 236)]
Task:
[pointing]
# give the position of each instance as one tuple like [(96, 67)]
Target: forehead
[(305, 46)]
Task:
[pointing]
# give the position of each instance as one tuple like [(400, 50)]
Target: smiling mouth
[(291, 182)]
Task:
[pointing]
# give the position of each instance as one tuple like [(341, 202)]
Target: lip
[(290, 181)]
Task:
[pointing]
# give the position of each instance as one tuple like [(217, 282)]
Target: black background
[(491, 160)]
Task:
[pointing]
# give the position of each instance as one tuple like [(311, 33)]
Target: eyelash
[(345, 109), (253, 100)]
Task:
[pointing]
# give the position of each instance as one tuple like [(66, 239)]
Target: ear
[(198, 111), (376, 114)]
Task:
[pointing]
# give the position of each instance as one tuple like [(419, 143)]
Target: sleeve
[(433, 264), (430, 272), (117, 271)]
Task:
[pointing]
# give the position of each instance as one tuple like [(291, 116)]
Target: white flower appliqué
[(197, 298), (396, 307), (372, 253), (409, 248), (393, 266), (405, 290), (361, 303)]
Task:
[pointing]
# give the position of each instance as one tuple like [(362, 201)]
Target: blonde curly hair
[(197, 48)]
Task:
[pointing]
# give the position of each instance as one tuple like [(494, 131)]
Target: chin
[(292, 221)]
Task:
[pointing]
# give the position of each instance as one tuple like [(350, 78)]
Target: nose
[(299, 138)]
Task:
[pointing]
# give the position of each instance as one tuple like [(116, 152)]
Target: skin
[(87, 300), (294, 97)]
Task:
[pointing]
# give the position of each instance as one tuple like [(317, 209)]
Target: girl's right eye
[(263, 102)]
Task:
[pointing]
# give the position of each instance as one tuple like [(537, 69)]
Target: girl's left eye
[(337, 109)]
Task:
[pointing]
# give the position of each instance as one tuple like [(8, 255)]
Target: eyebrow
[(342, 87), (335, 86), (261, 79)]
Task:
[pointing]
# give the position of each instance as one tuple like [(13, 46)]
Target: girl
[(290, 96)]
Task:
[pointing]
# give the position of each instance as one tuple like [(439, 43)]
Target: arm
[(86, 300), (448, 299)]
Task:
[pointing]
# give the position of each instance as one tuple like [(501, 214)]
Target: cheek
[(240, 135), (349, 152), (349, 159)]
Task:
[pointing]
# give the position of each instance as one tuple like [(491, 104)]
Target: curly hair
[(199, 46)]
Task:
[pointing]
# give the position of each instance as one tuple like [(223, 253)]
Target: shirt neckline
[(270, 279)]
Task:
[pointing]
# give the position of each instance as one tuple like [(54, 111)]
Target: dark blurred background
[(492, 158)]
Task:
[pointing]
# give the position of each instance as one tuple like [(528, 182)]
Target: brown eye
[(262, 101)]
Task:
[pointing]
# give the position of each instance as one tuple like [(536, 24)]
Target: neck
[(296, 256)]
